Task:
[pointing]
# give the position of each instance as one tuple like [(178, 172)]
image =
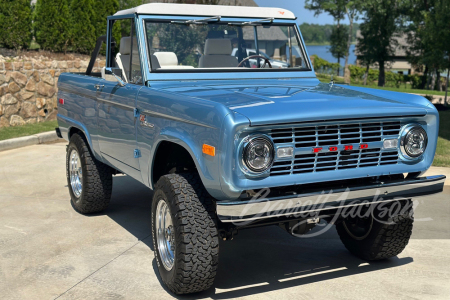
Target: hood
[(265, 104)]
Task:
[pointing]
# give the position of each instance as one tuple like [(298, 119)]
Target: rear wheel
[(378, 236), (184, 232), (89, 180)]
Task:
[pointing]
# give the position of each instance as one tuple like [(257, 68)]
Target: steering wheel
[(266, 61)]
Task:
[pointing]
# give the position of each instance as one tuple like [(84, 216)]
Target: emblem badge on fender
[(143, 120)]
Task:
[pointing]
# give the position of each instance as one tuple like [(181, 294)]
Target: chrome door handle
[(99, 86)]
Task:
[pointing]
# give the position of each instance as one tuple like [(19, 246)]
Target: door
[(117, 123), (116, 103)]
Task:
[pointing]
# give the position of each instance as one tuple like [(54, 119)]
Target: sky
[(298, 8)]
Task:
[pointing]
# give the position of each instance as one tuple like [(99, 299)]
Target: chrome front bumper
[(319, 200)]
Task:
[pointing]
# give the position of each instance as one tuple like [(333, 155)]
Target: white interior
[(166, 60), (124, 56), (208, 11), (217, 54)]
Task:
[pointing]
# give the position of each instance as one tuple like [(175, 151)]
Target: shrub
[(103, 9), (51, 24), (357, 74), (324, 66), (15, 24), (393, 79), (82, 31)]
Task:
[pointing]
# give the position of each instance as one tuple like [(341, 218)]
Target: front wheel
[(382, 234), (184, 232)]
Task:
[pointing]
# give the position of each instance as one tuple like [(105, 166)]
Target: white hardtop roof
[(208, 11)]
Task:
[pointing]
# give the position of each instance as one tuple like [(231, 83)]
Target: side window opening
[(126, 53)]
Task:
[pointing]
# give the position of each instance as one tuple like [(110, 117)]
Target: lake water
[(322, 52)]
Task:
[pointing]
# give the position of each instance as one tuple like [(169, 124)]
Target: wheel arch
[(72, 126), (167, 147), (84, 133), (169, 155)]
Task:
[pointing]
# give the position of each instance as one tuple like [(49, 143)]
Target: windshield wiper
[(202, 21), (270, 20)]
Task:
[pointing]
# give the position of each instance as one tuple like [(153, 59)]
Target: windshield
[(201, 47)]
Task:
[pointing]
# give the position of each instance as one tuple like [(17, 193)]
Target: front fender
[(206, 165)]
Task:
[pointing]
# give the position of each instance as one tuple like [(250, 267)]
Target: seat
[(217, 54), (124, 56), (166, 60)]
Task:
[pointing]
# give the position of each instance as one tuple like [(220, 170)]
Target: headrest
[(218, 47), (166, 58), (125, 45), (155, 63)]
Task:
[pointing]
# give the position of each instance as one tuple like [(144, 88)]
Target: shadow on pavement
[(130, 207), (258, 260)]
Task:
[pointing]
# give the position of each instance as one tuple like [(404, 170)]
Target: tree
[(381, 22), (338, 43), (352, 9), (82, 31), (365, 47), (15, 24), (103, 9), (339, 9), (51, 24), (428, 34), (210, 2), (437, 35), (125, 4)]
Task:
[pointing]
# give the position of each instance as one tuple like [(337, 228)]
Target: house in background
[(399, 61), (269, 40)]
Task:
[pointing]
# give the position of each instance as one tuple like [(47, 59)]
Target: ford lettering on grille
[(335, 147)]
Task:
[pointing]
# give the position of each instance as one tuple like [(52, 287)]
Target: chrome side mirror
[(115, 74)]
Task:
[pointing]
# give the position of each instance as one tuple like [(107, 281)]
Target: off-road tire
[(97, 179), (196, 236), (385, 240)]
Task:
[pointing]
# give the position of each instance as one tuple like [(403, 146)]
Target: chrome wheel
[(75, 173), (165, 235)]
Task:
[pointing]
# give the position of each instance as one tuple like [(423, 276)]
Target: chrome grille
[(306, 138)]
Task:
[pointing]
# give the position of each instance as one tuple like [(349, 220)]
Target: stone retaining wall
[(28, 89)]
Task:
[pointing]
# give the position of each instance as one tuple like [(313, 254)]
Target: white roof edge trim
[(208, 11)]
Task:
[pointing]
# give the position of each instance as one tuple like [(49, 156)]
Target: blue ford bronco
[(217, 109)]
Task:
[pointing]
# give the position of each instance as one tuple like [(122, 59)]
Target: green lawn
[(403, 90), (28, 129), (326, 78), (442, 158)]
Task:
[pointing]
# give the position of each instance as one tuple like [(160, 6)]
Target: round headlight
[(258, 154), (414, 141)]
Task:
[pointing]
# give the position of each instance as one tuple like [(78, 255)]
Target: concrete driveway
[(49, 251)]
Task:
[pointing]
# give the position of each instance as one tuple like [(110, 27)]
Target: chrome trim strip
[(160, 115), (235, 211), (124, 106), (332, 121), (71, 91)]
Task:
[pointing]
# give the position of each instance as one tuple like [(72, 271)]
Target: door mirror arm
[(116, 73)]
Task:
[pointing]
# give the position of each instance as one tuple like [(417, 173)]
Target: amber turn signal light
[(210, 150)]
